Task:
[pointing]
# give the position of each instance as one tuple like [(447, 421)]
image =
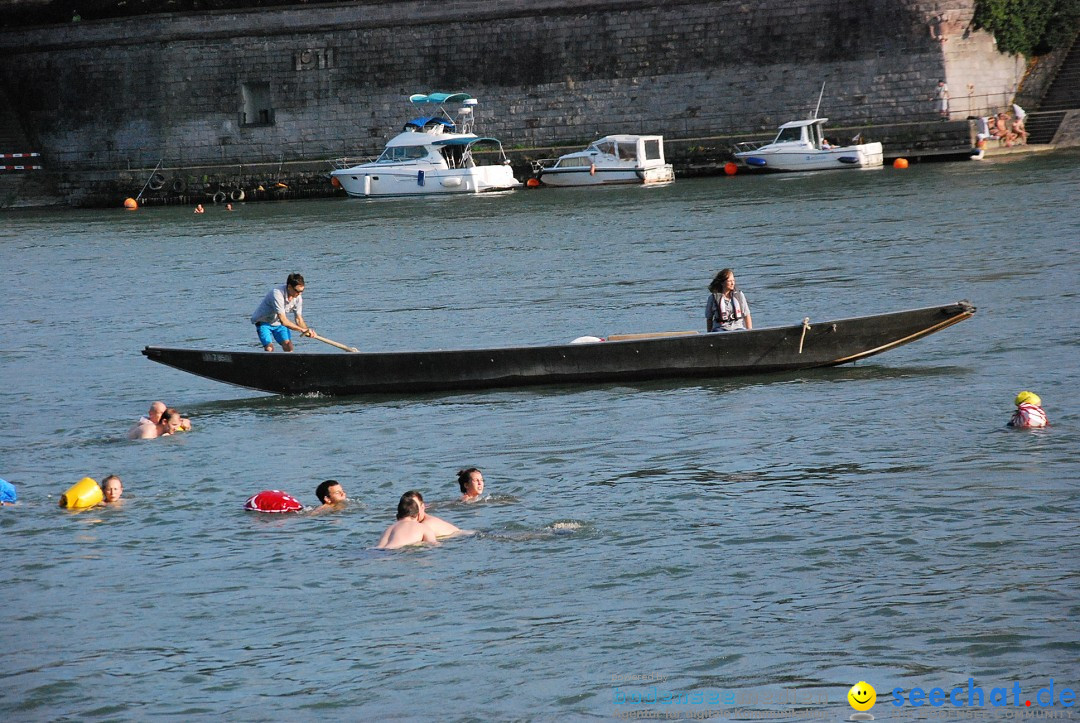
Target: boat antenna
[(818, 106)]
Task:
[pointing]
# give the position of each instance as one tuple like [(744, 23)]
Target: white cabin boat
[(801, 146), (612, 159), (432, 155)]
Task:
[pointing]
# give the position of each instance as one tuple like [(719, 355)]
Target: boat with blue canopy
[(433, 154)]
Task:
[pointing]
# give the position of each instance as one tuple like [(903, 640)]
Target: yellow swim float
[(84, 493)]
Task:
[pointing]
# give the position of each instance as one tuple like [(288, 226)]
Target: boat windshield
[(607, 147), (396, 154), (787, 135), (627, 151)]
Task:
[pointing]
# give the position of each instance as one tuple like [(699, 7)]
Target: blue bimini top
[(7, 492)]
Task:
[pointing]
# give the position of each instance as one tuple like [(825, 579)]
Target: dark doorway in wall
[(258, 108)]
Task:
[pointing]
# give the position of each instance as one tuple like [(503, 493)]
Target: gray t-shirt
[(273, 304)]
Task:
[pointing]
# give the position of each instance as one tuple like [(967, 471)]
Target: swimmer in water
[(111, 489), (171, 422), (199, 208), (147, 427), (1029, 413), (8, 495), (407, 530), (471, 483), (440, 527), (332, 496)]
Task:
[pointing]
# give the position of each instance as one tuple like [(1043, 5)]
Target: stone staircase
[(1062, 95)]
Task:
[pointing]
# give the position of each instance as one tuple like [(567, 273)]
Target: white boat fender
[(586, 340), (451, 182), (220, 197)]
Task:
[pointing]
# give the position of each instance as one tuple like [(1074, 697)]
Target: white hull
[(367, 181), (865, 155), (606, 176)]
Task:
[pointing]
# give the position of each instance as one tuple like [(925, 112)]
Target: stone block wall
[(333, 79)]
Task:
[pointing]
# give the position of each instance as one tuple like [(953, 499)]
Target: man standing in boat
[(271, 319)]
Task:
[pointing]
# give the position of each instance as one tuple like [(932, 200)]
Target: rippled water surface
[(788, 533)]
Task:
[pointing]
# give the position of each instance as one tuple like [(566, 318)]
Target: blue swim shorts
[(268, 333)]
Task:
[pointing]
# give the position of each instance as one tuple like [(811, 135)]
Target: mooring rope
[(805, 328)]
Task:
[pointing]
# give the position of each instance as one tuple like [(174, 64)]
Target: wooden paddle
[(331, 342)]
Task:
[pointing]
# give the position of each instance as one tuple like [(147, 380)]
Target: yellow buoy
[(84, 493), (131, 204), (900, 163)]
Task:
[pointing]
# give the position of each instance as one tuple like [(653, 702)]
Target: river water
[(770, 540)]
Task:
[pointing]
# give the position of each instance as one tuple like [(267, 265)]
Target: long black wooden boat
[(626, 357)]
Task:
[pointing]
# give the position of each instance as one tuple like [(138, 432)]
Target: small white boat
[(612, 159), (432, 155), (801, 146)]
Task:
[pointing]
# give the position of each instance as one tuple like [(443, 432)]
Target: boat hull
[(370, 182), (585, 176), (866, 155), (653, 357)]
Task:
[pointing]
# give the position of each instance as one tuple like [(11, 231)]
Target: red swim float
[(273, 501)]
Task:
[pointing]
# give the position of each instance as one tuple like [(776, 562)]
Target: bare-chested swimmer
[(407, 530), (471, 483), (331, 494), (440, 527)]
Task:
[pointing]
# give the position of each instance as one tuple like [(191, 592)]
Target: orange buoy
[(731, 168), (533, 183), (335, 182), (900, 163), (131, 204)]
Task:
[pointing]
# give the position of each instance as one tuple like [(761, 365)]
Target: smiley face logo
[(862, 696)]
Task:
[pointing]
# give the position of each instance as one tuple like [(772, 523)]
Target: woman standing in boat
[(726, 309)]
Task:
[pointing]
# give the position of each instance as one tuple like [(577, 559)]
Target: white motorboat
[(612, 159), (801, 146), (432, 155)]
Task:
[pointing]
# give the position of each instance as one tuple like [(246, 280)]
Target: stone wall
[(331, 80)]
